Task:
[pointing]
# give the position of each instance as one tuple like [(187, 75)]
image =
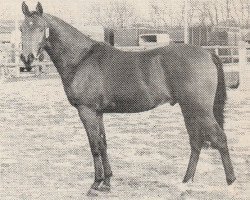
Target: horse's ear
[(39, 8), (25, 9)]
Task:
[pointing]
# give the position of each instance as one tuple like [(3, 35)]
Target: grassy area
[(44, 151)]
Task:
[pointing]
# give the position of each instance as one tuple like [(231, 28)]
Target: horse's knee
[(98, 146)]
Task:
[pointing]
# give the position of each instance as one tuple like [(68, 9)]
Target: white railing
[(232, 56), (228, 54), (9, 70)]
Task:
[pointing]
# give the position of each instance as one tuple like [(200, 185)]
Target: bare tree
[(114, 14), (200, 12), (162, 13), (214, 12), (119, 13)]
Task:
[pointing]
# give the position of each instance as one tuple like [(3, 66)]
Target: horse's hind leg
[(196, 142), (202, 127), (219, 141)]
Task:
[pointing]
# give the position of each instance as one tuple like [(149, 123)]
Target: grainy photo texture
[(124, 99)]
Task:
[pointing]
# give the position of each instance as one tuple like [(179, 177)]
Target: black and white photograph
[(125, 99)]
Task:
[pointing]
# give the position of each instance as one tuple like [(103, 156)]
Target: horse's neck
[(67, 45)]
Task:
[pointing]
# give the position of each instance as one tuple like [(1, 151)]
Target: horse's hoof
[(230, 181), (104, 188), (92, 193), (186, 179)]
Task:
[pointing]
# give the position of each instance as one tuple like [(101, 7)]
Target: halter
[(44, 42), (46, 34)]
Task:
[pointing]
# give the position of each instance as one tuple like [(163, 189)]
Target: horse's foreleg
[(105, 161), (90, 120), (196, 142)]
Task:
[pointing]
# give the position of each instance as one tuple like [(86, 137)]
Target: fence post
[(17, 64), (242, 66), (2, 69), (2, 76)]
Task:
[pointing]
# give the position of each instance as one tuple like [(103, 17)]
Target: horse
[(98, 78)]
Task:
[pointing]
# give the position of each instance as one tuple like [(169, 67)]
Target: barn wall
[(126, 37), (130, 37)]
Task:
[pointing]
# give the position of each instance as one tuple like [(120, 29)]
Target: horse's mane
[(66, 25), (62, 22)]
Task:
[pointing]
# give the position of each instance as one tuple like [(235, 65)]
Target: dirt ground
[(44, 152)]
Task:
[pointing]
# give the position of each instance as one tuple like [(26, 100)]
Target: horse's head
[(35, 33)]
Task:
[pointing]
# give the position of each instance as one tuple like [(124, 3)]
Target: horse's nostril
[(41, 57), (22, 57), (31, 56)]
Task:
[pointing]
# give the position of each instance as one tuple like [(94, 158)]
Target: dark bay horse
[(98, 78)]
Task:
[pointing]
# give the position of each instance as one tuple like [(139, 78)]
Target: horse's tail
[(221, 95)]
